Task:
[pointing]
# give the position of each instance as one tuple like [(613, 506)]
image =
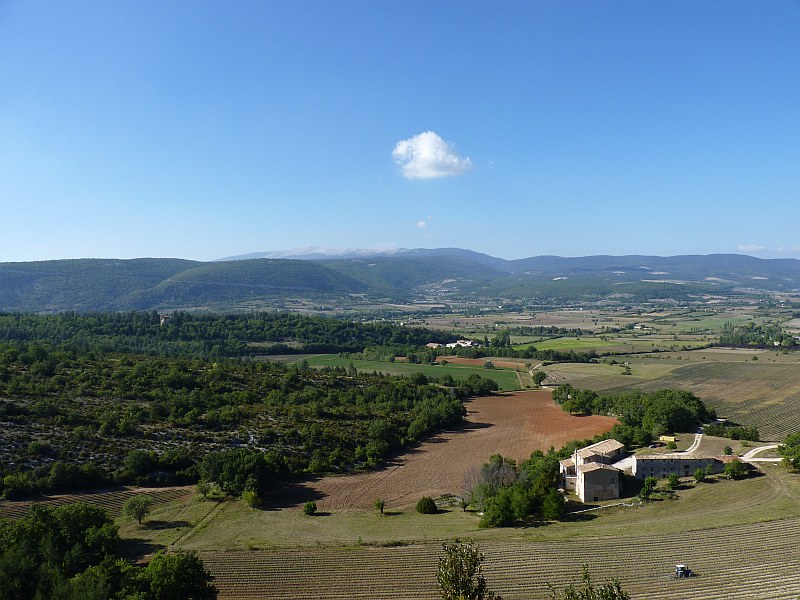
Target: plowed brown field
[(513, 424)]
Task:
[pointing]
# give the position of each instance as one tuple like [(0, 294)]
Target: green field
[(506, 378)]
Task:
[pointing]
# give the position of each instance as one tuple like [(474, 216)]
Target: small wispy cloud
[(421, 224), (751, 248), (428, 156), (789, 249)]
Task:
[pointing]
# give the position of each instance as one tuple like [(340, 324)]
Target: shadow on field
[(294, 494), (135, 549), (154, 524)]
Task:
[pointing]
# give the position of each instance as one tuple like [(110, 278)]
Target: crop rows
[(766, 396), (757, 561), (111, 500)]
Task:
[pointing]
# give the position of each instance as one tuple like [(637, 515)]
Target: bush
[(250, 498), (673, 481), (310, 508), (426, 506)]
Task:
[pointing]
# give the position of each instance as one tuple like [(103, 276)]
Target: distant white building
[(462, 344)]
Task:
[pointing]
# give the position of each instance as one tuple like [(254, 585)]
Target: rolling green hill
[(446, 274)]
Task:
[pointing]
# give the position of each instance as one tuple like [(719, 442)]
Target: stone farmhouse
[(590, 473), (683, 465)]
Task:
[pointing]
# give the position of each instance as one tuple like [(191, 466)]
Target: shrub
[(673, 481), (310, 508), (426, 506), (250, 498)]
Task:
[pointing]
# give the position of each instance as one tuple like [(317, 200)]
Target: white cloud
[(789, 249), (422, 224), (428, 156), (751, 248)]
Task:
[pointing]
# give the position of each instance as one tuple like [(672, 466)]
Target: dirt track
[(513, 425)]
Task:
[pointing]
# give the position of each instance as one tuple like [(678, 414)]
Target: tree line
[(210, 335)]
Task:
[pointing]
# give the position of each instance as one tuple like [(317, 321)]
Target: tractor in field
[(682, 572)]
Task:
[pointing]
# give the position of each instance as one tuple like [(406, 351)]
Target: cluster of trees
[(790, 450), (732, 431), (508, 493), (642, 416), (240, 470), (753, 335), (70, 552), (210, 336)]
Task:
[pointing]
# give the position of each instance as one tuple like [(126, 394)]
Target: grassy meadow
[(507, 379)]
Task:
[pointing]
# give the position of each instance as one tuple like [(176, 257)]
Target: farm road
[(750, 455)]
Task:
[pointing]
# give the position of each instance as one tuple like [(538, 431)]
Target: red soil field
[(512, 424)]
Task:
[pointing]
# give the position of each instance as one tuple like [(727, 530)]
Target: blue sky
[(208, 129)]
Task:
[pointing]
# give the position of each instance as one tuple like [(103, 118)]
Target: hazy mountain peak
[(317, 253)]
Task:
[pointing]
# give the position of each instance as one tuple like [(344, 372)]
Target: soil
[(512, 424)]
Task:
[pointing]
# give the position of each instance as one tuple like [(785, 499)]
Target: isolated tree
[(137, 507), (699, 474), (539, 377), (379, 505), (459, 573), (310, 508), (673, 481), (587, 591)]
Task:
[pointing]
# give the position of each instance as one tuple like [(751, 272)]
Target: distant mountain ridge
[(398, 275)]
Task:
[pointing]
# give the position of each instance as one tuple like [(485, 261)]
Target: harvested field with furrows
[(512, 424), (756, 561), (111, 500)]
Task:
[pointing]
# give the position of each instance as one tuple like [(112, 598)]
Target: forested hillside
[(75, 418), (444, 274)]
